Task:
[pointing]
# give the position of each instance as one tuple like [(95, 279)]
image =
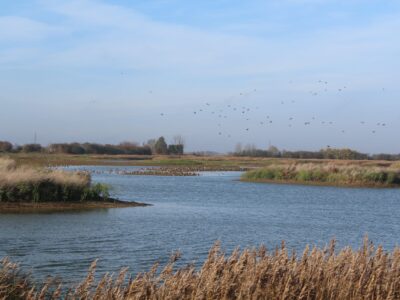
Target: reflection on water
[(190, 214)]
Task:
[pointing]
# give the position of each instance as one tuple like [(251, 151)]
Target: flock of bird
[(243, 112)]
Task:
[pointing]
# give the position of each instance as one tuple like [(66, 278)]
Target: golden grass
[(367, 273), (10, 174)]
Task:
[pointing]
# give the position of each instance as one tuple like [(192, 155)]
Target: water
[(190, 214)]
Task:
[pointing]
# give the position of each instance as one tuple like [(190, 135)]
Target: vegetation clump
[(27, 184), (367, 273), (329, 173)]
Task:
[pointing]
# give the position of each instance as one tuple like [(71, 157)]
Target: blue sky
[(105, 71)]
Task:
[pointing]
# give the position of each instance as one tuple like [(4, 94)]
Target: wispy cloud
[(100, 34), (20, 29)]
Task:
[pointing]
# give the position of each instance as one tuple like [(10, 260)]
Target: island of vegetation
[(25, 189), (340, 173)]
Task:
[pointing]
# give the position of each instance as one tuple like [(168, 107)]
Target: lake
[(191, 213)]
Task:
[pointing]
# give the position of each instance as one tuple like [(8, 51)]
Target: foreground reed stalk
[(368, 273)]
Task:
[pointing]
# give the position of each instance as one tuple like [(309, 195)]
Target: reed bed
[(28, 184), (318, 273), (328, 173)]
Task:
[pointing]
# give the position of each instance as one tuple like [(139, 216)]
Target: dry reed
[(10, 174), (367, 273)]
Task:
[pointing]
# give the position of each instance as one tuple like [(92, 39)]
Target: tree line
[(327, 153), (153, 146)]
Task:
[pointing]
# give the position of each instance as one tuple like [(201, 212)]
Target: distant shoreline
[(38, 207)]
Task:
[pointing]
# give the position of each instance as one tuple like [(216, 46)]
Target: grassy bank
[(367, 273), (328, 174)]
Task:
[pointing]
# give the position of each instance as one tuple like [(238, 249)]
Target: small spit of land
[(367, 273), (25, 189)]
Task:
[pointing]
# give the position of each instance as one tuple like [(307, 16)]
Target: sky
[(297, 74)]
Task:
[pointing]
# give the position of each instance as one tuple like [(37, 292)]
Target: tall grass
[(329, 173), (27, 184), (367, 273)]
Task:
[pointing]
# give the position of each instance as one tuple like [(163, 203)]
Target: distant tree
[(331, 153), (5, 146), (238, 148), (273, 150), (128, 147), (152, 145), (178, 140), (76, 148), (89, 148), (175, 149), (31, 148), (177, 145), (161, 146), (250, 148)]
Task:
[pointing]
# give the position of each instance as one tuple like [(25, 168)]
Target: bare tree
[(274, 150), (178, 140), (152, 144), (238, 148)]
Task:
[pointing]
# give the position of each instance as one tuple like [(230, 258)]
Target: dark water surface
[(190, 214)]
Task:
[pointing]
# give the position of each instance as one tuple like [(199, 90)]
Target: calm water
[(190, 214)]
